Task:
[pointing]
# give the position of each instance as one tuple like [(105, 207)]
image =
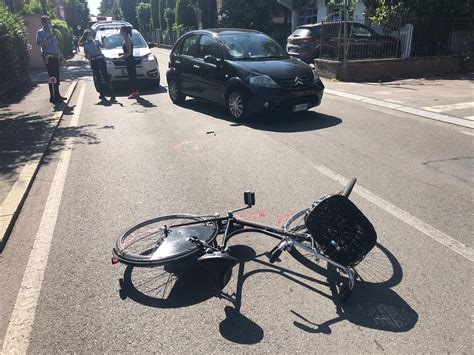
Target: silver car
[(146, 62)]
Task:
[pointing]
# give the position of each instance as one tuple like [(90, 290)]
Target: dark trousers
[(101, 77), (52, 66), (132, 73)]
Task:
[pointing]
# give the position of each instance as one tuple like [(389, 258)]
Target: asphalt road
[(138, 159)]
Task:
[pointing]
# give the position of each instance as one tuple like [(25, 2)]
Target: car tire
[(174, 91), (236, 104)]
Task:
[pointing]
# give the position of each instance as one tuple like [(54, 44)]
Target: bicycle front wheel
[(163, 240)]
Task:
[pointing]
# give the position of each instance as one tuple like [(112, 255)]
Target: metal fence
[(395, 39), (161, 37)]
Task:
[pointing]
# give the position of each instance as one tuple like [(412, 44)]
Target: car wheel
[(237, 105), (174, 90)]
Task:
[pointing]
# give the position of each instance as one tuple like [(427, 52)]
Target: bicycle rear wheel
[(161, 240)]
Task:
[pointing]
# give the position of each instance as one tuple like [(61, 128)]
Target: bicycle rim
[(158, 242)]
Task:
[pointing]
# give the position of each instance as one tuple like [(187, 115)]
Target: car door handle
[(196, 66)]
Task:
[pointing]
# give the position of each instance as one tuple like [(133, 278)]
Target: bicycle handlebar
[(348, 189)]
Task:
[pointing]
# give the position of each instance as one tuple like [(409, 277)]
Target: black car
[(324, 40), (244, 70)]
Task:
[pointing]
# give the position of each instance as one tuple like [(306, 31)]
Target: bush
[(64, 35), (14, 56), (32, 8)]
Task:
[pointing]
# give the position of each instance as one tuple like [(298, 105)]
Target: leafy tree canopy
[(253, 14)]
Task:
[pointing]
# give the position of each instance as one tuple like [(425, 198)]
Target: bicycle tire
[(146, 244)]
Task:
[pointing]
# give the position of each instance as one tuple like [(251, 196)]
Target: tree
[(412, 9), (105, 7), (155, 6), (169, 15), (185, 16), (143, 11), (128, 10), (254, 14), (116, 11), (208, 9), (76, 14)]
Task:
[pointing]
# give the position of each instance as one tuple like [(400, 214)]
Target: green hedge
[(64, 35), (14, 56)]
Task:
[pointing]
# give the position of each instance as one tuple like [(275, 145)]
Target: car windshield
[(113, 41), (252, 46)]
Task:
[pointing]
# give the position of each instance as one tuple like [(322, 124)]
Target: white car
[(109, 25), (146, 62)]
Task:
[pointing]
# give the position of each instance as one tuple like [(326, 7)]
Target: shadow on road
[(273, 122), (373, 304), (22, 133)]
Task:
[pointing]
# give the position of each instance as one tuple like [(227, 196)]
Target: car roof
[(111, 32), (312, 25), (110, 24), (218, 31)]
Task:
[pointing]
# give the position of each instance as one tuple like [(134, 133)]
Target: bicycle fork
[(287, 243)]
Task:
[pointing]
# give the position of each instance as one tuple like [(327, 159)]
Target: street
[(111, 167)]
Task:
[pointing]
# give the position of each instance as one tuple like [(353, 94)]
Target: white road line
[(400, 107), (468, 133), (393, 101), (404, 216), (470, 118), (458, 106), (21, 322)]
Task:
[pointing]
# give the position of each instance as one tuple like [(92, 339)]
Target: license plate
[(300, 107)]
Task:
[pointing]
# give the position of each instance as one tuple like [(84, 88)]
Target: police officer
[(50, 52), (99, 68)]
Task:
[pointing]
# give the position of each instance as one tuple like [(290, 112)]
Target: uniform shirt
[(92, 48), (49, 47)]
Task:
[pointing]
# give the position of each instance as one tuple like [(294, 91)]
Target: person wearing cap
[(50, 53), (99, 68)]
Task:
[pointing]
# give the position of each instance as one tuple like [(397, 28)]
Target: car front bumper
[(145, 70), (264, 100)]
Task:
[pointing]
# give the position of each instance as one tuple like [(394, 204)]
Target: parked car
[(147, 64), (326, 41), (244, 70)]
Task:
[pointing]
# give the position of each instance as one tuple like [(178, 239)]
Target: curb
[(11, 206), (401, 108)]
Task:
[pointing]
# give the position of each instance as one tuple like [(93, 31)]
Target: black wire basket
[(340, 230)]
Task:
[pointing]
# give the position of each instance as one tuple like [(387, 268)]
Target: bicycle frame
[(287, 239)]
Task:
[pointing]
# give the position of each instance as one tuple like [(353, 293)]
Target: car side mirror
[(210, 59), (151, 45)]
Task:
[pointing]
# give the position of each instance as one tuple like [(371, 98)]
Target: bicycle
[(333, 230)]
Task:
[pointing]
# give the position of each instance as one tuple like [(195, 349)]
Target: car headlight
[(316, 76), (108, 61), (263, 81), (149, 58)]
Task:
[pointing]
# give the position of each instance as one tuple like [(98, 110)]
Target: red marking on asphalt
[(281, 220), (253, 216)]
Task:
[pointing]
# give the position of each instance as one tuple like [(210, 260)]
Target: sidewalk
[(449, 99), (27, 122)]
